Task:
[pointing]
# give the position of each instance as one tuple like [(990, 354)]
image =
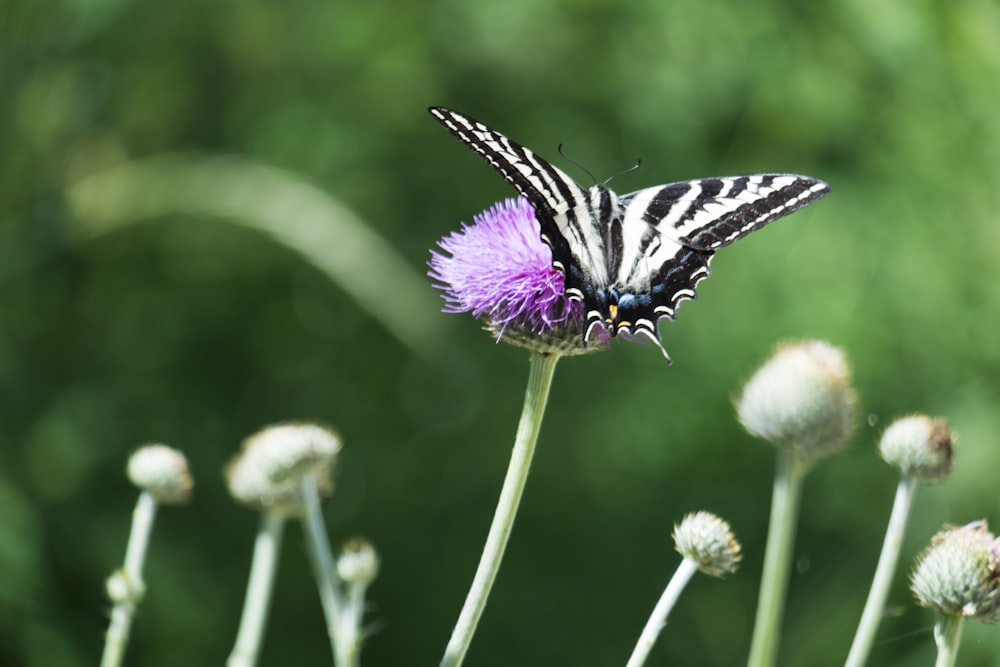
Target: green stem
[(127, 582), (658, 618), (535, 397), (947, 635), (266, 550), (777, 559), (349, 633), (875, 606), (327, 580)]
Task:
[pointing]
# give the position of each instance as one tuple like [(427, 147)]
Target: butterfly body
[(631, 259)]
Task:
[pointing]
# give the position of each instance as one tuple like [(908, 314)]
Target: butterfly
[(631, 259)]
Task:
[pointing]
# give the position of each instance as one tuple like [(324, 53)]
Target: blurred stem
[(535, 397), (278, 203), (875, 606), (343, 641), (266, 550), (658, 619), (349, 631), (777, 559), (947, 635), (126, 585)]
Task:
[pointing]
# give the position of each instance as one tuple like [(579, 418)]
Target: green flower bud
[(562, 339), (959, 574)]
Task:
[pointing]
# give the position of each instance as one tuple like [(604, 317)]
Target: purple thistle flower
[(499, 269)]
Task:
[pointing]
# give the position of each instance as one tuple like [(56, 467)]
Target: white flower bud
[(162, 471), (801, 399), (919, 446), (271, 464), (959, 574), (358, 562), (707, 540)]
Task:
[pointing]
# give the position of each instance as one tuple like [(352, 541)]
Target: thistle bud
[(959, 574), (358, 562), (919, 446), (707, 540), (272, 463), (161, 471), (801, 399)]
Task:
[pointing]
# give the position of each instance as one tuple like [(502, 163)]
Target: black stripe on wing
[(550, 191), (714, 212), (678, 279)]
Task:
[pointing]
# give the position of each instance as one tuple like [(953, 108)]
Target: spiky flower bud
[(801, 399), (267, 472), (358, 562), (959, 574), (707, 540), (162, 471), (919, 446)]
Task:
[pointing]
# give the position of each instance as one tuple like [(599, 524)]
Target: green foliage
[(189, 325)]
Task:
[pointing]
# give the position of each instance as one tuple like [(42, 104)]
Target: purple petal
[(499, 268)]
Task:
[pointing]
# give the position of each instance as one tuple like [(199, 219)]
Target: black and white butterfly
[(632, 258)]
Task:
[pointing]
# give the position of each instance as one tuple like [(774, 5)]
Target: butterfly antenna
[(638, 163), (572, 161)]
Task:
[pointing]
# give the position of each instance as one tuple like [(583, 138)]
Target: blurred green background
[(216, 216)]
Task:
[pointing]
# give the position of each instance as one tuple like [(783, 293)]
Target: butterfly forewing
[(548, 189), (713, 212), (561, 206), (704, 215)]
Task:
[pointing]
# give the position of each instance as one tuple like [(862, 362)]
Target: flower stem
[(128, 581), (777, 559), (874, 607), (947, 635), (345, 653), (535, 397), (266, 550), (658, 619), (349, 634)]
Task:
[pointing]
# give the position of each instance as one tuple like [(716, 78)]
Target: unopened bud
[(268, 470), (919, 446), (162, 471), (707, 540), (959, 574), (801, 399)]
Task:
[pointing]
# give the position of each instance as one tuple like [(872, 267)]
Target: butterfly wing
[(672, 231), (562, 207), (713, 212)]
